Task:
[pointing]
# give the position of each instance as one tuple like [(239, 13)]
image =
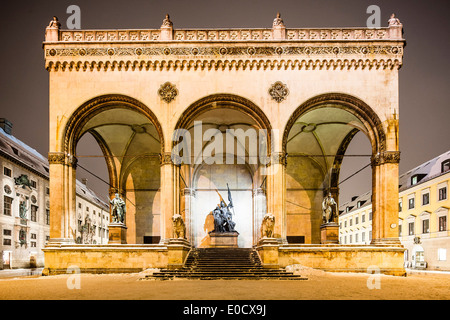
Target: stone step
[(223, 263)]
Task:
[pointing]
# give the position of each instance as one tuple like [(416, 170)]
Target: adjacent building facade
[(25, 205), (423, 215)]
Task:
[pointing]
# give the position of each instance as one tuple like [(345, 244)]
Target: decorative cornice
[(233, 64), (385, 157), (224, 51)]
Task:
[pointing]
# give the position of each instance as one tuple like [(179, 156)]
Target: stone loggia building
[(309, 90)]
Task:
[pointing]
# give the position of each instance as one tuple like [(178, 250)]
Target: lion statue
[(179, 228), (267, 226)]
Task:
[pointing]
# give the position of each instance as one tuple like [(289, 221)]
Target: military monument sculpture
[(224, 233)]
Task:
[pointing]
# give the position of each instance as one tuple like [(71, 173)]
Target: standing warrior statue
[(118, 209), (329, 209)]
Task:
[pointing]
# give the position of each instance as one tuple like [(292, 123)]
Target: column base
[(178, 249), (329, 233), (267, 249), (117, 233)]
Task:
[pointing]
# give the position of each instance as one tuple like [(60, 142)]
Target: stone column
[(168, 196), (62, 196), (259, 205), (187, 199), (385, 198), (276, 193)]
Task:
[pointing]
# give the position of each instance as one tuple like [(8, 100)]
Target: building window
[(411, 228), (33, 213), (47, 217), (399, 230), (47, 191), (6, 242), (442, 193), (443, 223), (7, 204), (445, 165), (370, 216), (356, 220), (33, 184), (356, 238), (400, 205), (6, 232), (350, 239), (7, 172), (411, 203), (87, 209), (79, 205), (363, 218), (345, 224), (426, 226), (351, 221), (370, 235), (363, 236), (33, 236), (33, 244), (414, 180), (425, 199)]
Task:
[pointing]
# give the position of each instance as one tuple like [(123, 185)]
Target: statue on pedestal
[(54, 23), (394, 21), (329, 209), (118, 209)]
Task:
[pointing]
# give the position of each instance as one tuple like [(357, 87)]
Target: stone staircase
[(224, 263)]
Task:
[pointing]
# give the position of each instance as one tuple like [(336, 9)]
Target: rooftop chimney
[(6, 125)]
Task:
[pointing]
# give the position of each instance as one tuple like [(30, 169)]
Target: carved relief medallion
[(168, 92), (278, 91)]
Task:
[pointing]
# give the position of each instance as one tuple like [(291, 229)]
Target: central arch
[(201, 184)]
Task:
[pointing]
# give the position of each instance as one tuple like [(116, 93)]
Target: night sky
[(424, 77)]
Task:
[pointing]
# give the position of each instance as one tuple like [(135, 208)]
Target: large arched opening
[(130, 138), (315, 140), (228, 144)]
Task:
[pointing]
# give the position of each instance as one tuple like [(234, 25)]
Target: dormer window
[(445, 166), (416, 178)]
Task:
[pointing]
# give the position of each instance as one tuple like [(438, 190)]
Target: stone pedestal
[(178, 249), (117, 233), (224, 239), (329, 233), (268, 250)]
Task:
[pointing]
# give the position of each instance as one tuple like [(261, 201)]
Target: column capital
[(385, 157), (169, 158), (62, 158), (277, 158)]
